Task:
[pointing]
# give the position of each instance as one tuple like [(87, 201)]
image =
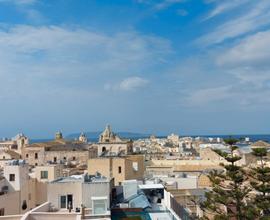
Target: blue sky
[(153, 66)]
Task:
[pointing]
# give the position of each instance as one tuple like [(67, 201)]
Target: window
[(64, 158), (44, 174), (36, 155), (11, 177), (36, 164), (24, 205), (54, 159), (2, 212), (63, 202), (99, 206), (74, 158), (135, 166), (4, 157), (26, 155), (119, 169)]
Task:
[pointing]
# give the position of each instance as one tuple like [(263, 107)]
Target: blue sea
[(253, 137)]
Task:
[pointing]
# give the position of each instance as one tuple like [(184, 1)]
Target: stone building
[(15, 144), (57, 151), (111, 144), (209, 154), (119, 168), (6, 155)]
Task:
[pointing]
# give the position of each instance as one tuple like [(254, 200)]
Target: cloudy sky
[(152, 66)]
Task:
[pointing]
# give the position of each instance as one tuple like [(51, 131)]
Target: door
[(70, 200)]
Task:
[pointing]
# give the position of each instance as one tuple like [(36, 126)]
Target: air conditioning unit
[(4, 189)]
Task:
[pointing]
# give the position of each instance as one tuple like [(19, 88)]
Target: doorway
[(70, 200)]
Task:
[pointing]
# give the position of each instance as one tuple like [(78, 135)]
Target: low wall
[(52, 216), (11, 217)]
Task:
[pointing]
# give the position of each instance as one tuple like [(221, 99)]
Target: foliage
[(260, 181), (229, 197)]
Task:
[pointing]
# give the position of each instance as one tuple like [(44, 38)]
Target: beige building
[(209, 154), (15, 144), (6, 155), (43, 175), (197, 168), (57, 151), (17, 190), (260, 144), (93, 192), (20, 190), (119, 168), (111, 144)]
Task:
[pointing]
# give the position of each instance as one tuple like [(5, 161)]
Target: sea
[(252, 137)]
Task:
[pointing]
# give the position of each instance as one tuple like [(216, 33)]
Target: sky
[(150, 66)]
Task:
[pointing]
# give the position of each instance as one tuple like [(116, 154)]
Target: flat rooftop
[(151, 186), (81, 178)]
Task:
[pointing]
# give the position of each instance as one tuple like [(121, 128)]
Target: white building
[(93, 192)]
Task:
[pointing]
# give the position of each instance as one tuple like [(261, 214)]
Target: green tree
[(229, 196), (260, 181)]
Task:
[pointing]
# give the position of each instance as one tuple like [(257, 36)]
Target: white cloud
[(208, 95), (132, 83), (38, 59), (27, 8), (238, 74), (225, 6), (129, 84), (236, 95), (253, 50), (19, 2), (161, 4), (166, 3), (249, 59), (257, 17)]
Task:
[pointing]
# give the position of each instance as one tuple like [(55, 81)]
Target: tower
[(83, 138), (58, 135)]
